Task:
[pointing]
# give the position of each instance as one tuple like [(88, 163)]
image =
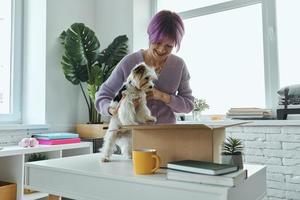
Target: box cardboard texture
[(182, 141), (8, 191), (91, 131)]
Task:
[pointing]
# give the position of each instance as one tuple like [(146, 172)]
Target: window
[(180, 6), (10, 60), (5, 56), (288, 29), (224, 50), (222, 62)]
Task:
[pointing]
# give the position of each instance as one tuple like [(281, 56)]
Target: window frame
[(270, 51), (15, 115)]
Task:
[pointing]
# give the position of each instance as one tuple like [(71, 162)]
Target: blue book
[(53, 136)]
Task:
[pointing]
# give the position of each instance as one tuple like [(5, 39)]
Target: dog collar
[(130, 82)]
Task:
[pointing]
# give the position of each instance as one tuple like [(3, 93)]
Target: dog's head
[(142, 77)]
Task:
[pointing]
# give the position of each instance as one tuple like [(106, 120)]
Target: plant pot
[(91, 131), (196, 115), (236, 160)]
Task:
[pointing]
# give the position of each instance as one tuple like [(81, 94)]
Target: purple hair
[(166, 24)]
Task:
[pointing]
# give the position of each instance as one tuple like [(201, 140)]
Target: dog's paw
[(151, 119), (105, 159)]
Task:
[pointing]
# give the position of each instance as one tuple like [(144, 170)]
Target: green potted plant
[(199, 106), (85, 65), (232, 152)]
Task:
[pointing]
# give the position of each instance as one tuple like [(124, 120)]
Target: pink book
[(59, 141)]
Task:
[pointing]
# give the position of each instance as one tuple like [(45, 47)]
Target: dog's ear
[(139, 71)]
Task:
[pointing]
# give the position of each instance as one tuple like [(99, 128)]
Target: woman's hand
[(113, 111), (154, 94), (158, 95)]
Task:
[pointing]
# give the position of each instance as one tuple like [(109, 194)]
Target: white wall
[(114, 17), (62, 98), (130, 17), (142, 13)]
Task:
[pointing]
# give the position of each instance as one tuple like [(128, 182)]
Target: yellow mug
[(145, 161)]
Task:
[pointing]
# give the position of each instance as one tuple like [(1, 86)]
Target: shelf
[(13, 158), (16, 150)]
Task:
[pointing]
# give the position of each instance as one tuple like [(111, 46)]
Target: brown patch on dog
[(139, 71)]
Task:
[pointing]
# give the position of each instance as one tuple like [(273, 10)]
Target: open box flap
[(188, 125), (167, 126), (219, 123)]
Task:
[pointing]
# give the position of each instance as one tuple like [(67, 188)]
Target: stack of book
[(249, 113), (56, 138), (205, 173)]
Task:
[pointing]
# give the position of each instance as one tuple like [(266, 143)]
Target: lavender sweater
[(173, 80)]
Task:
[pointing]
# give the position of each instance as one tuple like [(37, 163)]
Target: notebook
[(59, 141), (51, 136), (230, 179), (201, 167)]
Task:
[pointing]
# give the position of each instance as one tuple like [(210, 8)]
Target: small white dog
[(138, 83)]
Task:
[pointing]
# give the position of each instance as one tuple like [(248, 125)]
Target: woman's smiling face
[(162, 49)]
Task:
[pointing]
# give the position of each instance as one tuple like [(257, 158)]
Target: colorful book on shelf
[(201, 167), (53, 136), (230, 179), (59, 141)]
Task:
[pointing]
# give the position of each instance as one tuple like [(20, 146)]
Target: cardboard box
[(91, 131), (8, 191), (182, 141)]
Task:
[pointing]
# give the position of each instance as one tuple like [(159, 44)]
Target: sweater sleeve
[(109, 88), (183, 101)]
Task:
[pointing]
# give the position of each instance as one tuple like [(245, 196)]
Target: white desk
[(85, 178)]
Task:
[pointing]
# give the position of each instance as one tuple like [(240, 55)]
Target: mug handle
[(157, 163)]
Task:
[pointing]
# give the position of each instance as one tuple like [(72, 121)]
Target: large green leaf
[(96, 75), (112, 55), (63, 37), (73, 72), (92, 89), (81, 52)]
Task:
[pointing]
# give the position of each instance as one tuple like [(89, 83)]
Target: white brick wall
[(12, 137), (277, 147)]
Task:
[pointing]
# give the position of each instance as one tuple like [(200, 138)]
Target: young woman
[(172, 92)]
